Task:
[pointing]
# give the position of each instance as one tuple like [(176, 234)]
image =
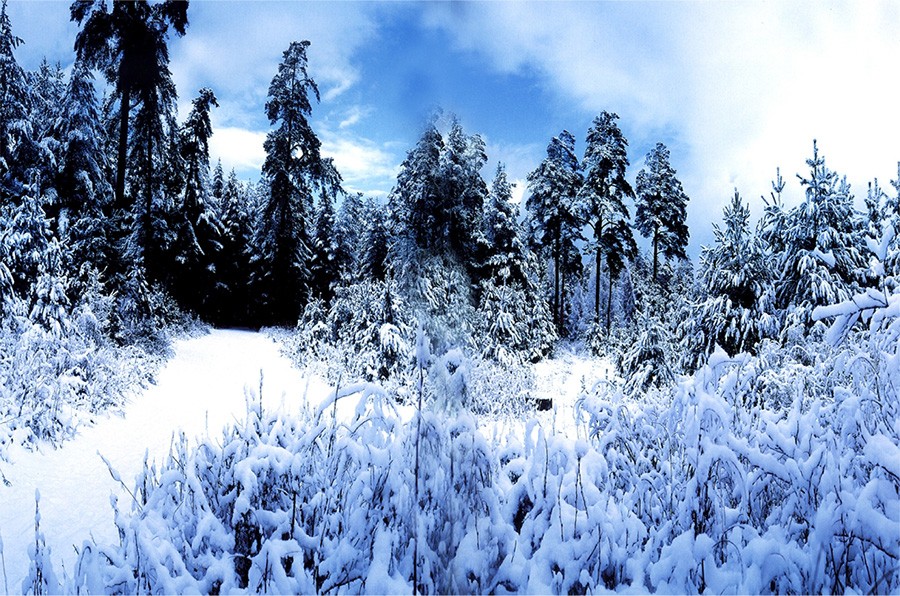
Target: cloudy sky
[(734, 89)]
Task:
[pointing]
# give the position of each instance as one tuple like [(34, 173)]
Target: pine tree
[(736, 309), (128, 44), (351, 221), (436, 205), (156, 179), (661, 207), (376, 242), (602, 199), (505, 249), (83, 187), (294, 171), (15, 106), (820, 246), (48, 86), (324, 266), (554, 216), (464, 192), (233, 260), (198, 229), (416, 203)]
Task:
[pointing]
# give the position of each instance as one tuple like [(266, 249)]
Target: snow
[(200, 391)]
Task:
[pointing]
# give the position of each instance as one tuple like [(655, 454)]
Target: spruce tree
[(198, 228), (85, 192), (820, 246), (555, 220), (128, 44), (505, 249), (233, 260), (602, 200), (294, 171), (736, 309), (416, 202), (15, 106), (661, 207)]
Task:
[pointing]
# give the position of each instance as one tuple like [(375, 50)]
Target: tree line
[(111, 196)]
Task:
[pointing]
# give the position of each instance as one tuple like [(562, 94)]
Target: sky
[(734, 89)]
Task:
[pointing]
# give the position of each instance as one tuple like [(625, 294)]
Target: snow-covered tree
[(736, 307), (324, 267), (15, 106), (418, 215), (83, 188), (602, 201), (436, 205), (647, 362), (376, 242), (128, 44), (555, 224), (505, 250), (818, 247), (233, 259), (661, 207), (464, 190), (294, 171), (198, 231)]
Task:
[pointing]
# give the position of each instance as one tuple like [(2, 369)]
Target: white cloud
[(353, 116), (363, 164), (239, 70), (736, 89), (518, 190), (238, 148)]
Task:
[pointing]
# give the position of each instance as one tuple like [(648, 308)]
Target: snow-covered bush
[(647, 363), (699, 488), (513, 324), (51, 383), (362, 335)]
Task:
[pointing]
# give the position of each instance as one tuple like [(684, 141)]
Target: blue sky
[(734, 89)]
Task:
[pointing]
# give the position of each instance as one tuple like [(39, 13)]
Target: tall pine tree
[(15, 106), (661, 207), (198, 228), (602, 199), (555, 220), (294, 170), (128, 44)]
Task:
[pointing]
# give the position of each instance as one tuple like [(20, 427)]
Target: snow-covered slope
[(202, 388)]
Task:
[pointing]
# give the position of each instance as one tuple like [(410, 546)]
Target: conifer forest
[(472, 383)]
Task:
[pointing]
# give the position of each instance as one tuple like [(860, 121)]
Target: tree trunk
[(609, 306), (124, 108), (556, 281), (147, 220), (597, 285), (655, 251)]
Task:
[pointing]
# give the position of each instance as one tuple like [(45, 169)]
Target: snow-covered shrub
[(513, 325), (500, 390), (700, 488), (305, 505), (41, 578), (362, 335), (441, 299), (647, 362), (50, 384)]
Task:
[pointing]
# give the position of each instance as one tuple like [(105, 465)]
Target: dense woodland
[(115, 227)]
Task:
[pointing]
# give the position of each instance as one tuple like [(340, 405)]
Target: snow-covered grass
[(733, 481), (53, 383), (200, 388)]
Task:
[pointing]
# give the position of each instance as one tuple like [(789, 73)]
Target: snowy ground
[(202, 388), (564, 378)]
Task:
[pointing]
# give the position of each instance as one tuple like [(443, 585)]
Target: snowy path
[(564, 378), (202, 387)]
